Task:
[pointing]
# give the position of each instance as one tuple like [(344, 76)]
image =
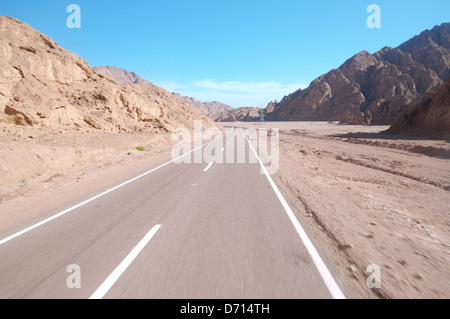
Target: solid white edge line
[(207, 167), (45, 221), (328, 279), (103, 289)]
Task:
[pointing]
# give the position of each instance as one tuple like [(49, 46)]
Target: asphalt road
[(179, 231)]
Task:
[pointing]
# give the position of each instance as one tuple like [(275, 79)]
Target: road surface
[(205, 230)]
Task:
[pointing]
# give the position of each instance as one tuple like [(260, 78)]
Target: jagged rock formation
[(270, 107), (426, 116), (210, 109), (372, 88), (242, 114), (121, 75), (43, 85)]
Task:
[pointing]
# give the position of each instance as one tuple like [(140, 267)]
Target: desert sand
[(42, 169), (363, 197), (369, 198)]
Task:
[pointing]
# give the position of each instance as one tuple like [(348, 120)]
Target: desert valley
[(364, 149)]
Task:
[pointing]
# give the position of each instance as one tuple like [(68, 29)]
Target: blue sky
[(244, 53)]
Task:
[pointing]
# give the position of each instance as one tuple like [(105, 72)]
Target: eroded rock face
[(43, 85), (270, 107), (210, 109), (373, 88), (426, 116), (121, 75), (242, 114)]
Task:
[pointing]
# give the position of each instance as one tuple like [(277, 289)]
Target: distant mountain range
[(210, 109), (366, 89), (242, 114), (121, 75), (46, 86), (372, 88)]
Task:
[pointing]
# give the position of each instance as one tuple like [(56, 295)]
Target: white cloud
[(236, 93)]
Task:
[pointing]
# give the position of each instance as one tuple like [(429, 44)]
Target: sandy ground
[(365, 198), (371, 199), (41, 170)]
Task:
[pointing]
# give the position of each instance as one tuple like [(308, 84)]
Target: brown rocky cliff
[(43, 85), (242, 114), (120, 75), (210, 109), (426, 116), (373, 88)]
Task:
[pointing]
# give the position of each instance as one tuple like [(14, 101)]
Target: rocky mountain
[(120, 75), (242, 114), (210, 109), (44, 85), (372, 88), (426, 116)]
